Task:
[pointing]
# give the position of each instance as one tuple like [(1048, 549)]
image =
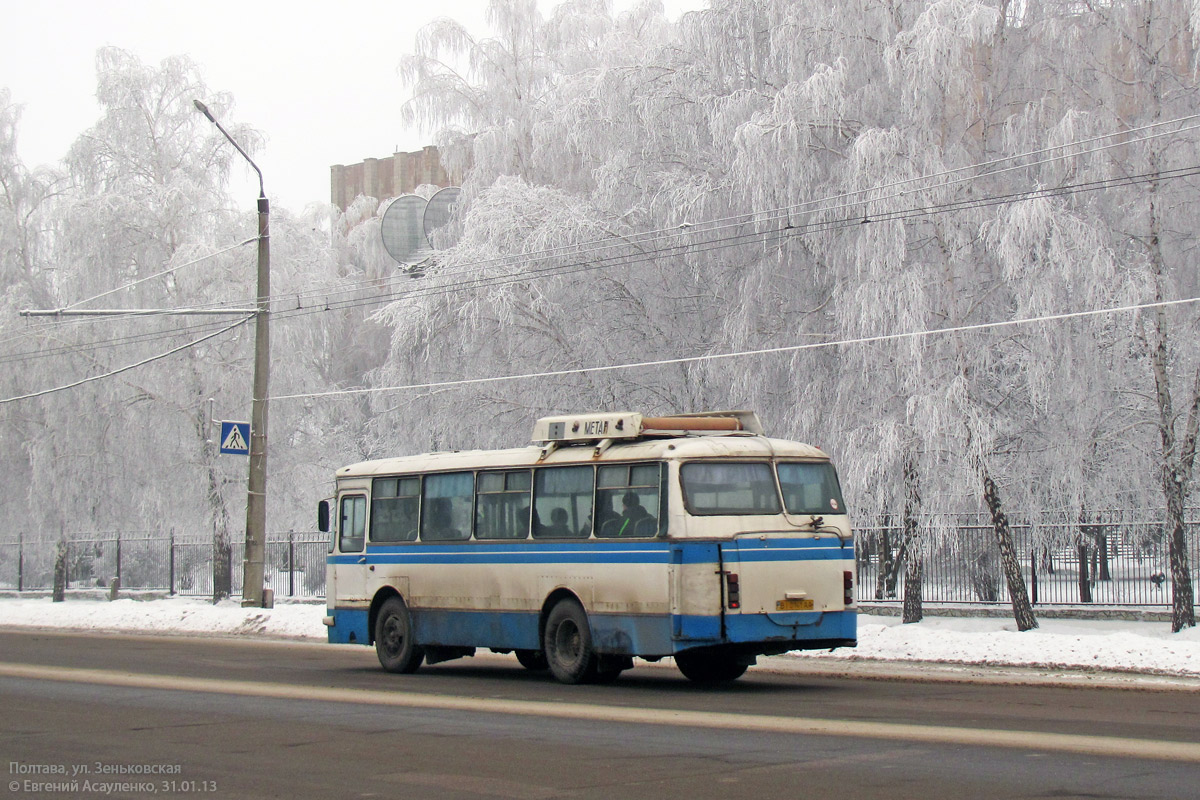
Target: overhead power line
[(906, 188), (167, 271), (127, 367), (708, 357), (769, 237), (701, 238)]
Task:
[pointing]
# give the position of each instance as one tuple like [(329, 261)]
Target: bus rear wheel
[(567, 643), (709, 667), (395, 645)]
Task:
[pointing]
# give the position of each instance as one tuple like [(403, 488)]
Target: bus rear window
[(729, 488), (811, 488)]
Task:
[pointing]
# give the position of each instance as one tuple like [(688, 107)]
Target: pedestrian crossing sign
[(235, 438)]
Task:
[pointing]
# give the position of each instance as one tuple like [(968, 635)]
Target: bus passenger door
[(697, 592), (349, 572)]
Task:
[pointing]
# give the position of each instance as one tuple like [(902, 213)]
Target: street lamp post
[(256, 491)]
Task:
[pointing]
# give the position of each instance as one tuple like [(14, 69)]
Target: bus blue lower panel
[(349, 626), (620, 634), (616, 634), (505, 630)]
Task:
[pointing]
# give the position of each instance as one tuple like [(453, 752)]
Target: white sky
[(318, 78)]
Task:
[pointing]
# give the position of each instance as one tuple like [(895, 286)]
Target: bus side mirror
[(323, 516)]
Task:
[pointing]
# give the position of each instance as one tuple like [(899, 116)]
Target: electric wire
[(771, 237), (167, 271), (709, 357), (127, 367), (827, 204), (820, 205), (677, 248)]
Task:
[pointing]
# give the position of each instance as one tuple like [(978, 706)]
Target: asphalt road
[(122, 716)]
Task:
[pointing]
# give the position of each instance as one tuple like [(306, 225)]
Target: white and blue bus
[(613, 536)]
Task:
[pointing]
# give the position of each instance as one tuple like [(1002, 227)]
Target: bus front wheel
[(709, 667), (395, 645), (567, 643)]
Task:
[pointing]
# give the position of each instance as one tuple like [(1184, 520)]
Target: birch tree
[(146, 195), (25, 281), (829, 172), (1141, 70)]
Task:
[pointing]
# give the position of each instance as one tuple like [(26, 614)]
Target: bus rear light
[(733, 591), (848, 587)]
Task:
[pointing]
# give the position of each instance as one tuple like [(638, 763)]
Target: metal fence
[(294, 563), (1118, 559), (1115, 559)]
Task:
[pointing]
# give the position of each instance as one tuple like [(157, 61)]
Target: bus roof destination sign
[(592, 427)]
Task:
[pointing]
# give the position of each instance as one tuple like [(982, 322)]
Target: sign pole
[(256, 494), (256, 490)]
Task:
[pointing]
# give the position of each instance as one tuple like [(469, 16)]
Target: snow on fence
[(1114, 559), (294, 563)]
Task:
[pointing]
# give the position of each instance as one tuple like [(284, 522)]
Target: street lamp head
[(203, 109), (262, 192)]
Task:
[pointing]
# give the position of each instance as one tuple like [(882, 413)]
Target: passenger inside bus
[(632, 513), (439, 526), (607, 520), (558, 523)]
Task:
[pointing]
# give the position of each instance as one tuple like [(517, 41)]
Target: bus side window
[(352, 524), (562, 502), (502, 507), (628, 499), (446, 507), (394, 506)]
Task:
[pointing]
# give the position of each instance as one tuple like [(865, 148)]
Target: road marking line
[(1023, 740)]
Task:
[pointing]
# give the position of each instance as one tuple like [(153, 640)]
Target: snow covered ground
[(1076, 646)]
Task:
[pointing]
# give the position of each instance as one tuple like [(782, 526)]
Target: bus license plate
[(801, 604)]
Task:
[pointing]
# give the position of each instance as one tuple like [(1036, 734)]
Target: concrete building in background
[(383, 178)]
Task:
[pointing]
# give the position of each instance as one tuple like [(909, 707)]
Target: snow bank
[(177, 615), (1122, 645), (1146, 647)]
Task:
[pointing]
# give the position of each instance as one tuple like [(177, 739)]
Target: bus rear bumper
[(771, 634)]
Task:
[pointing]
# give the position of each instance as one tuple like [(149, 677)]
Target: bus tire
[(533, 660), (709, 667), (567, 643), (395, 645)]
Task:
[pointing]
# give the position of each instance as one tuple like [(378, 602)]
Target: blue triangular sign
[(235, 438)]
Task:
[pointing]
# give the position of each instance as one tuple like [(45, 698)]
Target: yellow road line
[(934, 734)]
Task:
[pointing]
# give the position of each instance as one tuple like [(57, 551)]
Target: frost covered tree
[(770, 174), (533, 129), (1140, 71), (144, 207), (25, 280)]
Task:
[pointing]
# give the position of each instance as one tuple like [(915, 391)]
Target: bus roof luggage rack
[(597, 426)]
